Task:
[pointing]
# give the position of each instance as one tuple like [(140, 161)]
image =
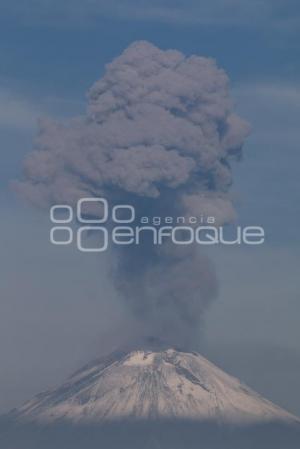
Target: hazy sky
[(57, 307)]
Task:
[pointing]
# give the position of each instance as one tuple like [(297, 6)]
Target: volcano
[(154, 389)]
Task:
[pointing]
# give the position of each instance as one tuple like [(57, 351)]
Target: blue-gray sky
[(51, 53)]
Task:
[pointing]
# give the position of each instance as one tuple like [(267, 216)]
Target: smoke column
[(160, 134)]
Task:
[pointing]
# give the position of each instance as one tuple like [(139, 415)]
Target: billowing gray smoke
[(159, 133)]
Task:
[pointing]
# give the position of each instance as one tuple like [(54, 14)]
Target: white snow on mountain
[(152, 384)]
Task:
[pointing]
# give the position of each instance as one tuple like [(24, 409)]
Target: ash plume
[(159, 133)]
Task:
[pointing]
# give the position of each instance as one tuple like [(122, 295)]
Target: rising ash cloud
[(159, 132)]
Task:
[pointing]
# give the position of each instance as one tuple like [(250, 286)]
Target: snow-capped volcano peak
[(152, 384)]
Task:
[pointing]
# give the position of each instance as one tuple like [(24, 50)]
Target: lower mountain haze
[(150, 397)]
